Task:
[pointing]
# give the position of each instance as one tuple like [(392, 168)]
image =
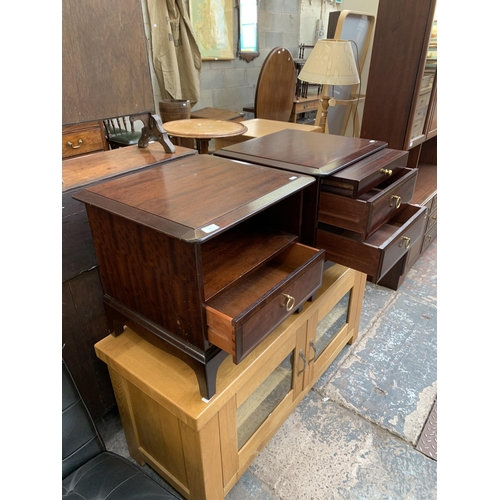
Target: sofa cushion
[(80, 439), (112, 477)]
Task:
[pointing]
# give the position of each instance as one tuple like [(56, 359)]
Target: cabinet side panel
[(150, 273), (399, 48), (158, 435)]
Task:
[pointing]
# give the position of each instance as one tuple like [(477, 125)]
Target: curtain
[(176, 56)]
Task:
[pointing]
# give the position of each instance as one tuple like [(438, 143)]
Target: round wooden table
[(203, 129)]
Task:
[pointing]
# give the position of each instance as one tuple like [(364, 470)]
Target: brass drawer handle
[(301, 354), (406, 240), (386, 171), (395, 198), (289, 303), (80, 142)]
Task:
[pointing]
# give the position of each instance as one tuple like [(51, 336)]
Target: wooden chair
[(275, 90), (123, 131)]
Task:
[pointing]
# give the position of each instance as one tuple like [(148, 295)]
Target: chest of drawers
[(202, 257), (83, 138), (359, 209)]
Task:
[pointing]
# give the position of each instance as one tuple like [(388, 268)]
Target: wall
[(231, 84)]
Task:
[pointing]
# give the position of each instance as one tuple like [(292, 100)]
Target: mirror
[(248, 39)]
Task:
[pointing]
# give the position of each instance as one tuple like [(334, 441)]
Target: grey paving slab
[(421, 280), (324, 451), (249, 487), (389, 375)]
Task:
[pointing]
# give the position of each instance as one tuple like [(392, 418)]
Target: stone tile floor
[(355, 435)]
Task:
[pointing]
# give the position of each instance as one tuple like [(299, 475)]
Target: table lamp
[(331, 62)]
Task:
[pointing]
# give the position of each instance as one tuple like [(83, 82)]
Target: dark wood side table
[(359, 210), (201, 256), (203, 130)]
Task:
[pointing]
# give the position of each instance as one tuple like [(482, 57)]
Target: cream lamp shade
[(331, 62)]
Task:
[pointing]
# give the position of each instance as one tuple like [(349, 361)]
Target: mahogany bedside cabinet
[(201, 256), (359, 209)]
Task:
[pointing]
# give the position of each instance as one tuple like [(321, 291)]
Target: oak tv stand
[(203, 448)]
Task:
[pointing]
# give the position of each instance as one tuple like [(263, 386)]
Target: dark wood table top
[(196, 197), (298, 151), (84, 170)]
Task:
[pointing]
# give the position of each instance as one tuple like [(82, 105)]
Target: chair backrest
[(80, 438), (121, 125), (122, 131), (275, 91)]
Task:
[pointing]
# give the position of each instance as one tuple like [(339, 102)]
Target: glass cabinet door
[(424, 102), (330, 326), (264, 400)]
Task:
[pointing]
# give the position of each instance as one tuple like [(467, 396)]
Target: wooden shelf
[(237, 252)]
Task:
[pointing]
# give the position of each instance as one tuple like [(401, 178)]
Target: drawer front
[(379, 252), (417, 127), (366, 174), (423, 100), (431, 220), (389, 201), (409, 235), (434, 203), (306, 106), (81, 142), (239, 334), (429, 237), (367, 215)]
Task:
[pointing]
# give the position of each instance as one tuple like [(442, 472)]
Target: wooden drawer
[(434, 203), (78, 139), (431, 220), (418, 127), (246, 312), (420, 115), (366, 174), (429, 237), (423, 99), (367, 213), (301, 107), (431, 212), (380, 251)]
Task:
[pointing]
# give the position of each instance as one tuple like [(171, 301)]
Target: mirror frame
[(246, 55)]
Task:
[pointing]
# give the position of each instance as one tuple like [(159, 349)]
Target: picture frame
[(212, 23)]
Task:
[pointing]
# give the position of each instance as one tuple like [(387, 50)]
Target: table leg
[(202, 146)]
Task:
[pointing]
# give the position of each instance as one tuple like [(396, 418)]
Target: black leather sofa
[(89, 472)]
